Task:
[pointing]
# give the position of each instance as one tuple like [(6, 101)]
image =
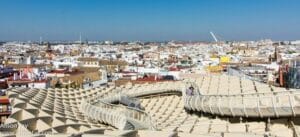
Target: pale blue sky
[(149, 19)]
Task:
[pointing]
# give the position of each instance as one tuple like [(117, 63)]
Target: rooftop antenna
[(213, 35)]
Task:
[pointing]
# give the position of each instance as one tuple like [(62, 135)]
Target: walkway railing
[(116, 115), (271, 104)]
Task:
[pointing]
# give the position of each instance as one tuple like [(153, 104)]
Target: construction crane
[(213, 35)]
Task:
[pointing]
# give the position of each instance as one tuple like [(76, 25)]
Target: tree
[(58, 84)]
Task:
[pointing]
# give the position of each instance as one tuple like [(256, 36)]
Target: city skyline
[(132, 20)]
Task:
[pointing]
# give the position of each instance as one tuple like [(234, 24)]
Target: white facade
[(70, 62)]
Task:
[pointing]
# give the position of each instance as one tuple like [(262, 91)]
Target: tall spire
[(80, 38), (41, 40)]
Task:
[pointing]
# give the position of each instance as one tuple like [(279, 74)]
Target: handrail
[(268, 103), (296, 130), (250, 94), (206, 103), (127, 112), (124, 107)]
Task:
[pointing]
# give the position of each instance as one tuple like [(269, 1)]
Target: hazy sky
[(149, 19)]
